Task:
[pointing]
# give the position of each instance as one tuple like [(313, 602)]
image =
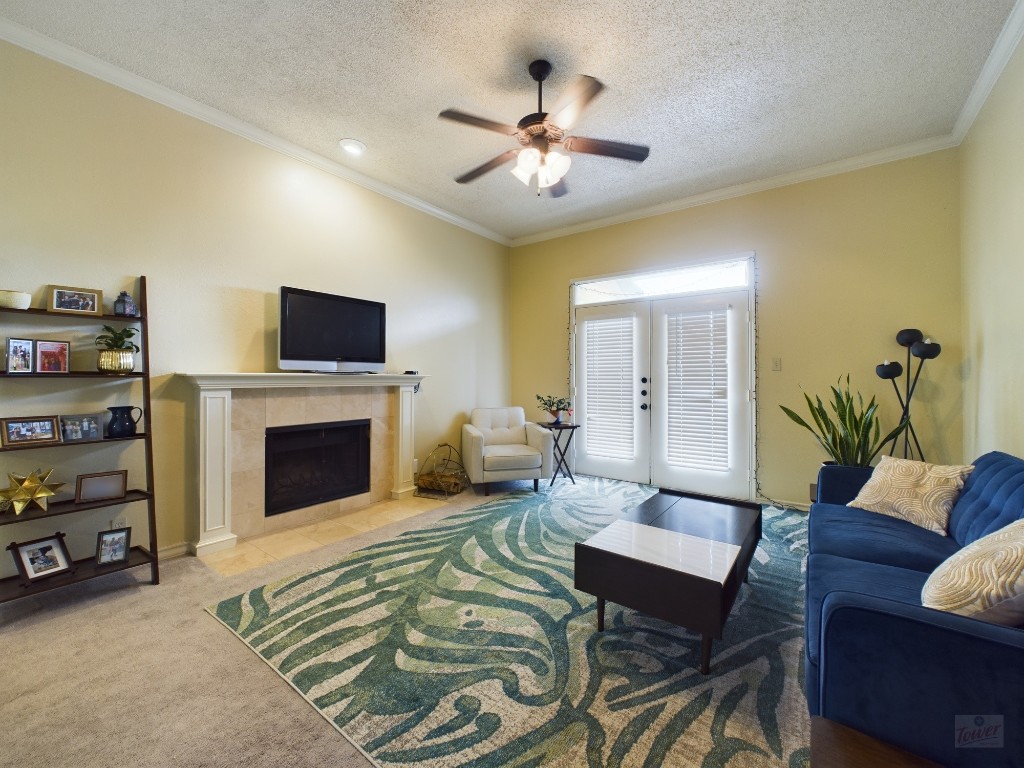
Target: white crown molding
[(90, 65), (889, 155), (1007, 42)]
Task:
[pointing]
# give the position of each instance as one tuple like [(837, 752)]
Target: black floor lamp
[(923, 349)]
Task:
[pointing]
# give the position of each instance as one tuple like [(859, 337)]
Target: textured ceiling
[(725, 92)]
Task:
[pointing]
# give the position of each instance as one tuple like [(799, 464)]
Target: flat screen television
[(334, 334)]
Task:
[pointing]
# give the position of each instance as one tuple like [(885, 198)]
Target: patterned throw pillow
[(985, 579), (920, 493)]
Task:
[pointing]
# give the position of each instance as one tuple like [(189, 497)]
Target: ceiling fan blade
[(478, 122), (558, 188), (490, 165), (573, 101), (635, 152)]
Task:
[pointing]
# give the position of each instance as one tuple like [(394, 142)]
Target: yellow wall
[(992, 173), (98, 185), (844, 263)]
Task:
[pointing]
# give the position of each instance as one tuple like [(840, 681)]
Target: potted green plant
[(554, 404), (116, 350), (848, 430)]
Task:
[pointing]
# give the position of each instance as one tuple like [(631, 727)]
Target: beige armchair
[(499, 444)]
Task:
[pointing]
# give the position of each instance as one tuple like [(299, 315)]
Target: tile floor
[(261, 550)]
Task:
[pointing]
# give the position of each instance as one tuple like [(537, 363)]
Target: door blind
[(698, 388), (610, 406)]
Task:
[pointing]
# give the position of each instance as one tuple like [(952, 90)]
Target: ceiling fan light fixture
[(551, 171), (527, 163), (539, 131)]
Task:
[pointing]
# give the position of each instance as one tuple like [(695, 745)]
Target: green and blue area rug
[(465, 644)]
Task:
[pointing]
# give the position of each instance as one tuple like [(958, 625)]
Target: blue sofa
[(876, 660)]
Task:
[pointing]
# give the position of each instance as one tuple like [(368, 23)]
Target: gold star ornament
[(29, 489)]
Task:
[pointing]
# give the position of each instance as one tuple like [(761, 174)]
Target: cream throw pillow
[(985, 579), (920, 493)]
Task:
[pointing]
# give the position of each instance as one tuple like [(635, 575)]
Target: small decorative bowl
[(15, 299)]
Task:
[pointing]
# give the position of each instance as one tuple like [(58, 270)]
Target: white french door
[(612, 344), (663, 393)]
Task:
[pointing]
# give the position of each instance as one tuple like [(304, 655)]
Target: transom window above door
[(700, 278)]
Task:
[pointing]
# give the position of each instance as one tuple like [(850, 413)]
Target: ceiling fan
[(541, 133)]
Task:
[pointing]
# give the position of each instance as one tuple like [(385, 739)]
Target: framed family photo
[(20, 356), (53, 356), (81, 428), (35, 430), (101, 486), (41, 558), (75, 301), (113, 546)]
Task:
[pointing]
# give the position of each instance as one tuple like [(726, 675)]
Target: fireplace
[(308, 464), (234, 410)]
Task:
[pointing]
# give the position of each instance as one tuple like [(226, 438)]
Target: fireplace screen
[(309, 464)]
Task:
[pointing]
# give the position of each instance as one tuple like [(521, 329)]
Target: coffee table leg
[(705, 653), (600, 614)]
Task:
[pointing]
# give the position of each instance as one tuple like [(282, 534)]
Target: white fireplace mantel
[(278, 380), (213, 408)]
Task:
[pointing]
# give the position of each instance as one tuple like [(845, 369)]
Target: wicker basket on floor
[(443, 474)]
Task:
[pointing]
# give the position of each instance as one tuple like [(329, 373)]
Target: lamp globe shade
[(908, 336), (889, 370), (926, 350)]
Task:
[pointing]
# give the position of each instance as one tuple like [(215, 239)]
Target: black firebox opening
[(309, 464)]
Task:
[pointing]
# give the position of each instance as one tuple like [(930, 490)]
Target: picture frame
[(20, 356), (74, 301), (101, 486), (29, 430), (42, 558), (81, 428), (53, 356), (113, 546)]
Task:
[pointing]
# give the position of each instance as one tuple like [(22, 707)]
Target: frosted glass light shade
[(523, 176), (552, 169), (529, 159), (558, 164), (549, 167)]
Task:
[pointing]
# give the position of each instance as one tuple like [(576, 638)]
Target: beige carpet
[(117, 672)]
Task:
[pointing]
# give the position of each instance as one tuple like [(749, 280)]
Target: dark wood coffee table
[(678, 557)]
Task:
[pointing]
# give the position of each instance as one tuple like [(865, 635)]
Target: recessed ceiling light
[(352, 146)]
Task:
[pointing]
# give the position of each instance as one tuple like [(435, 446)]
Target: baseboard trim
[(175, 550)]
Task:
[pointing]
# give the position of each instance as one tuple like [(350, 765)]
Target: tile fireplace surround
[(233, 411)]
